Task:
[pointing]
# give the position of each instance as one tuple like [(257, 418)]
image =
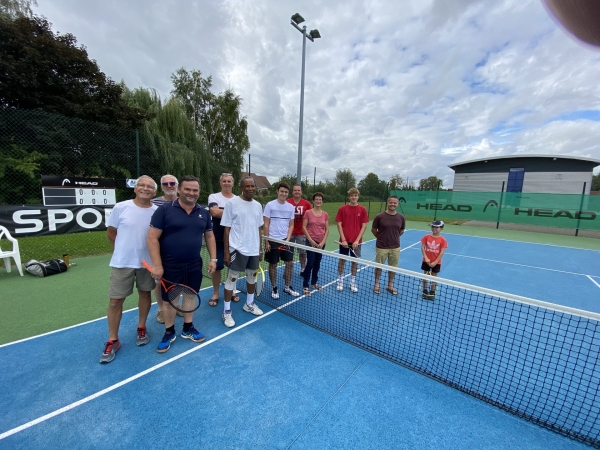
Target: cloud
[(391, 87)]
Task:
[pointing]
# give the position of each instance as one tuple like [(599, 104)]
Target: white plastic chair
[(15, 254)]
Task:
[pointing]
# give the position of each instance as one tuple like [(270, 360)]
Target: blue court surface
[(274, 382)]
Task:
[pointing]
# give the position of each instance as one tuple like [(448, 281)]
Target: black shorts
[(435, 269), (188, 274), (356, 253), (278, 252), (220, 255)]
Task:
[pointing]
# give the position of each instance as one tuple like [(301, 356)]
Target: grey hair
[(146, 176), (168, 175)]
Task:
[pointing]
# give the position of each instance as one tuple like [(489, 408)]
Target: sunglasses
[(169, 183)]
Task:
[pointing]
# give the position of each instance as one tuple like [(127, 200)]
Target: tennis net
[(537, 360)]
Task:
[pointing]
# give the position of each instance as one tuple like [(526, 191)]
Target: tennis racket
[(349, 247), (426, 283), (260, 281), (181, 297)]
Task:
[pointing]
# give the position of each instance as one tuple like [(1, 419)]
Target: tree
[(17, 8), (596, 182), (430, 184), (344, 180), (172, 137), (217, 118), (43, 71), (396, 182), (372, 186)]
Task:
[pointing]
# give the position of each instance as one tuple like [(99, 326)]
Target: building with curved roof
[(557, 174)]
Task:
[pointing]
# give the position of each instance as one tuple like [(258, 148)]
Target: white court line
[(593, 281), (511, 240), (130, 379), (516, 264)]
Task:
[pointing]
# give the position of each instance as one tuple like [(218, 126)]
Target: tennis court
[(275, 382)]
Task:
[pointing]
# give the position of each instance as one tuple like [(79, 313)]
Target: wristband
[(214, 260)]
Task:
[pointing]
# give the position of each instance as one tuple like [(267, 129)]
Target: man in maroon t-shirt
[(352, 222), (387, 228), (300, 207)]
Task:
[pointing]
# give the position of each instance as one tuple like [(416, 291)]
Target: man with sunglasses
[(168, 185), (216, 206)]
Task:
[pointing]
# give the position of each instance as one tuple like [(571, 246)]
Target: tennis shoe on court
[(165, 344), (290, 291), (193, 335), (340, 285), (228, 319), (431, 295), (275, 293), (252, 309), (159, 317), (110, 350), (142, 338), (353, 287)]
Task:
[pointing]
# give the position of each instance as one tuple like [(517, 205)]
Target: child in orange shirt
[(433, 248)]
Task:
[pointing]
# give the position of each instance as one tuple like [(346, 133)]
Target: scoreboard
[(76, 191)]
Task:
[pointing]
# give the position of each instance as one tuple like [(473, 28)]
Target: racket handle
[(148, 267)]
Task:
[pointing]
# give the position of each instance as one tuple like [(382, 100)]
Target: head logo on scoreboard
[(66, 180)]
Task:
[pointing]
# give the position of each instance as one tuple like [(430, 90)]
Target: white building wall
[(557, 182), (480, 182)]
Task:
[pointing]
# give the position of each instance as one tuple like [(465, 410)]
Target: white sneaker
[(228, 319), (340, 285), (290, 290), (252, 309), (353, 287), (274, 293)]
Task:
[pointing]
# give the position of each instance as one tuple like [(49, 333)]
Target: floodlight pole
[(301, 127), (295, 20)]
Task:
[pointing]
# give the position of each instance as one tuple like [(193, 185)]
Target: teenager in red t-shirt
[(433, 248), (300, 207), (352, 222)]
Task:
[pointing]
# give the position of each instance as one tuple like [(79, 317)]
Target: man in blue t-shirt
[(174, 243)]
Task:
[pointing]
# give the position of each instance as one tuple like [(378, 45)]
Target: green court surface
[(32, 306)]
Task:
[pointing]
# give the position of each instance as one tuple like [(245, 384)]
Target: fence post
[(315, 181), (137, 151), (249, 167), (437, 196), (580, 208), (500, 205)]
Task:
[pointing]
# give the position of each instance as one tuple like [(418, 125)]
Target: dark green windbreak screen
[(550, 210)]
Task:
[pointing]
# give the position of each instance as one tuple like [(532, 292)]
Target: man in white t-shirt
[(216, 206), (279, 223), (242, 219), (127, 230)]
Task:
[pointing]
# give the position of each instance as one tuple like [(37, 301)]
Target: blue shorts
[(189, 274)]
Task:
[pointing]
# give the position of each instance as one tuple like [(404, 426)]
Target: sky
[(393, 87)]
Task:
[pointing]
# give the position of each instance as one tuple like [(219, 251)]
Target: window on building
[(515, 180)]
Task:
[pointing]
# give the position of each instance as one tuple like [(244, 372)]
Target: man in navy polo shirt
[(174, 243)]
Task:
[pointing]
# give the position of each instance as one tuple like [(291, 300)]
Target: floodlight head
[(297, 19), (315, 34)]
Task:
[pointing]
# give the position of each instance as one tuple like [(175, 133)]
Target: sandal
[(317, 287), (306, 291), (213, 301), (392, 291), (235, 298), (376, 291)]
